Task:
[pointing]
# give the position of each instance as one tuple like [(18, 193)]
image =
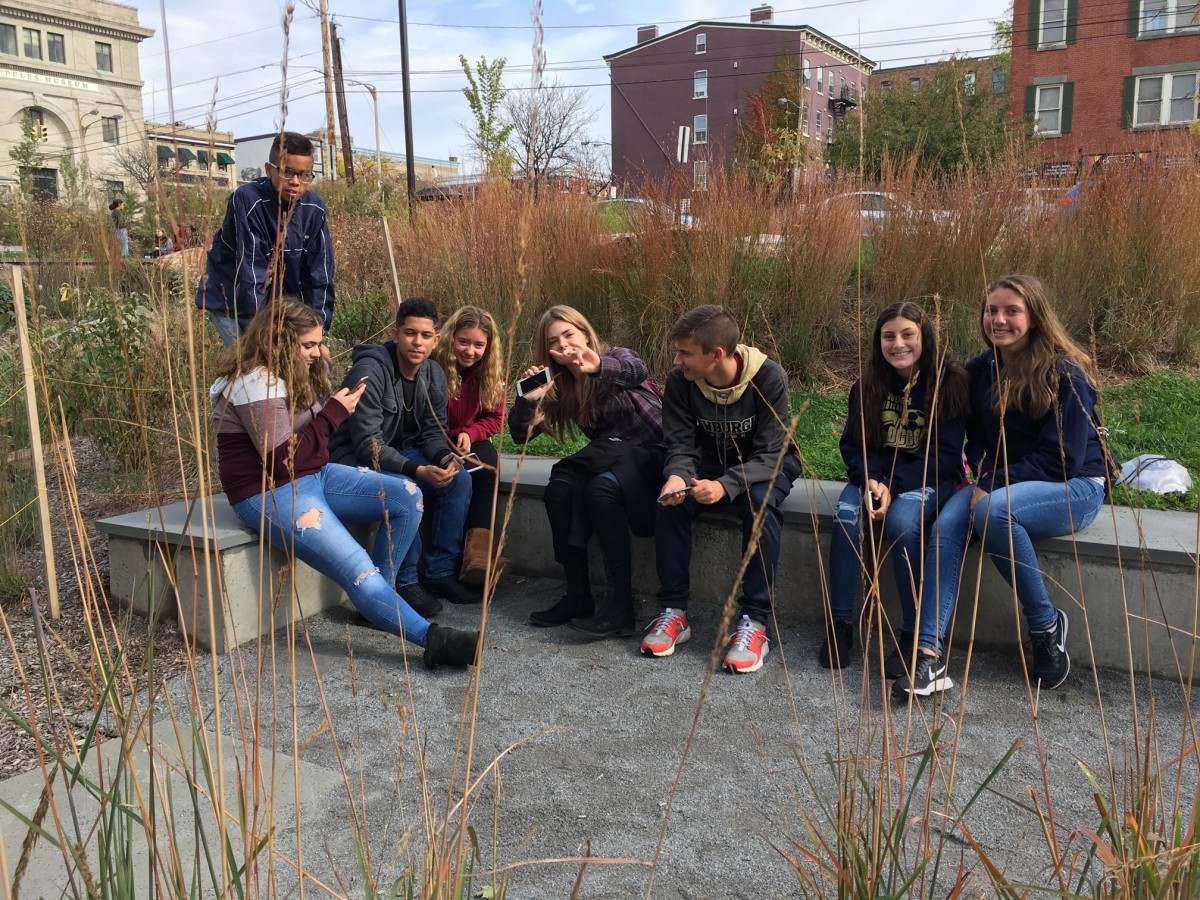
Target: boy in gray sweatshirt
[(726, 425)]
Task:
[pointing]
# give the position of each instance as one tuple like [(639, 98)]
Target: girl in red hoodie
[(469, 352)]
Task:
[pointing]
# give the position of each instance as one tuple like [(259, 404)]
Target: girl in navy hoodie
[(902, 446), (1041, 471)]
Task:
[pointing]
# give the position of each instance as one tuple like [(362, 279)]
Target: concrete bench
[(198, 561), (1135, 570)]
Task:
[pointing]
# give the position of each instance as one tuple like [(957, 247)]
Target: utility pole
[(343, 121), (408, 130), (329, 162)]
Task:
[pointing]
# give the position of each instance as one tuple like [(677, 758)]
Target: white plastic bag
[(1155, 473)]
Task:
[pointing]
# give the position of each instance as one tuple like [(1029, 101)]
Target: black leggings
[(483, 483), (604, 508)]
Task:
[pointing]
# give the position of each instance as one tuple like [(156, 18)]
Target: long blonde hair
[(489, 373), (1031, 376), (567, 404), (272, 341)]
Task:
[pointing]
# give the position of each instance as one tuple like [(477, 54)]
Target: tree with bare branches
[(549, 127)]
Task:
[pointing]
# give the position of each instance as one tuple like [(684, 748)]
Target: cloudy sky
[(226, 56)]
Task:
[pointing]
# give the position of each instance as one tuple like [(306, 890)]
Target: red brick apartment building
[(979, 73), (699, 76), (1104, 76)]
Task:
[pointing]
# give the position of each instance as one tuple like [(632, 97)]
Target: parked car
[(878, 208)]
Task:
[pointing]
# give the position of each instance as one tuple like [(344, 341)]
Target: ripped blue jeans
[(904, 530), (305, 519)]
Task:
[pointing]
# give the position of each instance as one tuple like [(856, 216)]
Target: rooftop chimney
[(762, 15), (647, 33)]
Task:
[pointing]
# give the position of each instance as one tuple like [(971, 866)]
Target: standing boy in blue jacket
[(274, 242)]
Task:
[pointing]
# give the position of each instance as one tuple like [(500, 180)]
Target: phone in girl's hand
[(533, 382)]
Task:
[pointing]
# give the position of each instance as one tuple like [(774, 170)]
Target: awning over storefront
[(202, 158), (224, 159), (186, 155), (165, 153)]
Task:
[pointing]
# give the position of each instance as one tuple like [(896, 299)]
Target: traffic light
[(43, 133)]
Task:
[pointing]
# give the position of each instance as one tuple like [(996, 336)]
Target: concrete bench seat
[(1134, 570), (199, 561), (1136, 573)]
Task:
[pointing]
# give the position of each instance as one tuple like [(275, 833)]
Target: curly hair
[(951, 382), (488, 370), (272, 341), (567, 404), (1031, 376)]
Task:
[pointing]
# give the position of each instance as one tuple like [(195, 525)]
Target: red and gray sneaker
[(748, 647), (669, 629)]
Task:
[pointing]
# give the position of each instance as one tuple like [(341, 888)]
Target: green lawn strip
[(1157, 414)]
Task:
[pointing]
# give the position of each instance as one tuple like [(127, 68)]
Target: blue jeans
[(343, 494), (123, 240), (1026, 511), (227, 327), (904, 538), (673, 544), (449, 517)]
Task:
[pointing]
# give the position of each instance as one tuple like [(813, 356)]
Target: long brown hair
[(488, 369), (1031, 376), (272, 341), (930, 367), (567, 404)]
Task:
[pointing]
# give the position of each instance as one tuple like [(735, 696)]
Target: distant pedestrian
[(274, 241), (116, 209)]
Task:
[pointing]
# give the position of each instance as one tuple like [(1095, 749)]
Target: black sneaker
[(448, 587), (835, 649), (1051, 663), (424, 604), (929, 678), (896, 663)]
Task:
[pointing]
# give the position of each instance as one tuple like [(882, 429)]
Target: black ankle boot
[(613, 617), (839, 639), (450, 647), (563, 611)]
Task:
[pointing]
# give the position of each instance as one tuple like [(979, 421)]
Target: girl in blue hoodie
[(1032, 439), (902, 446)]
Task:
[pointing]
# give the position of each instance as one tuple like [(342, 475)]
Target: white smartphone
[(870, 500), (533, 382)]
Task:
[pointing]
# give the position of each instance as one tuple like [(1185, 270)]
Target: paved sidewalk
[(604, 731)]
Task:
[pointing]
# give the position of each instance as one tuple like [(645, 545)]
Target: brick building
[(1102, 77), (699, 76), (979, 73)]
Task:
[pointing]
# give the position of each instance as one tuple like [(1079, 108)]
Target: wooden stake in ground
[(35, 438)]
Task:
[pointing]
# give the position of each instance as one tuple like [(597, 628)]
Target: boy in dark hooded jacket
[(400, 426), (725, 426)]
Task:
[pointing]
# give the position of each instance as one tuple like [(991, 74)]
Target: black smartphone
[(533, 382), (679, 493)]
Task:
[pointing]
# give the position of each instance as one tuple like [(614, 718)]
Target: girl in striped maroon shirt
[(273, 458)]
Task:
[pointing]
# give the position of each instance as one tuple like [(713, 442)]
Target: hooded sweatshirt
[(385, 422), (742, 428)]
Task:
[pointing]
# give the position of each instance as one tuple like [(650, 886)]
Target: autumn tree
[(769, 142)]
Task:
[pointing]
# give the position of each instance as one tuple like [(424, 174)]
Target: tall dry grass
[(128, 364)]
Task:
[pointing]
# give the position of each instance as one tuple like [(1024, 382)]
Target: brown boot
[(476, 547)]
